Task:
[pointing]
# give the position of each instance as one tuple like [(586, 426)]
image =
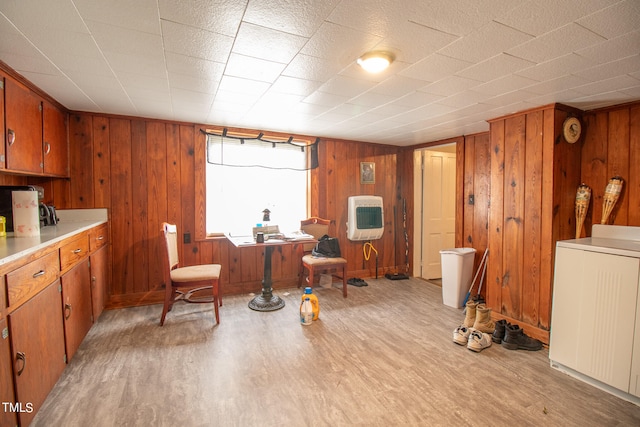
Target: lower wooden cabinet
[(76, 306), (8, 415), (38, 350), (99, 279)]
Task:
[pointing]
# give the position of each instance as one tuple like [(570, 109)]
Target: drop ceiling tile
[(398, 86), (143, 82), (219, 16), (243, 86), (612, 49), (372, 99), (302, 18), (566, 64), (458, 17), (140, 96), (311, 68), (463, 99), (294, 86), (194, 67), (493, 68), (558, 84), (325, 99), (504, 84), (416, 99), (65, 91), (247, 67), (485, 42), (266, 43), (34, 16), (559, 42), (434, 67), (342, 45), (608, 85), (450, 86), (611, 69), (195, 84), (141, 15), (245, 99), (622, 17), (346, 86), (110, 38), (538, 17), (153, 67), (195, 42)]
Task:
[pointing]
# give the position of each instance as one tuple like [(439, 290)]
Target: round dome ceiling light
[(375, 62)]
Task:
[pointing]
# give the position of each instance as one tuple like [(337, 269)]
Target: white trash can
[(457, 272)]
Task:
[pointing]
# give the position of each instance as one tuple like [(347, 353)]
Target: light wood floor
[(382, 357)]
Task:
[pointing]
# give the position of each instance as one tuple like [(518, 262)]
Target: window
[(246, 176)]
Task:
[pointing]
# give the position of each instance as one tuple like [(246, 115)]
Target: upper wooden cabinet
[(55, 141), (23, 134), (35, 133)]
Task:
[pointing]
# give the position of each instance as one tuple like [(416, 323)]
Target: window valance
[(230, 150)]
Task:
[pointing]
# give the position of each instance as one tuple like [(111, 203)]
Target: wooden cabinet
[(35, 133), (38, 350), (2, 128), (73, 251), (76, 306), (23, 112), (99, 280), (55, 141), (7, 417), (98, 260)]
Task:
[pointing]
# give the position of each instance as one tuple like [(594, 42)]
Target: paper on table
[(26, 213)]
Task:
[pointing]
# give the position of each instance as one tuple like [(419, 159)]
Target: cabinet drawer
[(28, 280), (98, 237), (74, 251)]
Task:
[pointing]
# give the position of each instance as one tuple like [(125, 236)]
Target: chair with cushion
[(318, 227), (184, 282)]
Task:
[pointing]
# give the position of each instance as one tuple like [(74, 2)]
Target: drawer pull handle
[(20, 356), (11, 136), (77, 251), (100, 238), (67, 311), (38, 274), (47, 149)]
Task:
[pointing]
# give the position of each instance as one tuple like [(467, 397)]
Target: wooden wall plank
[(122, 236), (469, 192), (481, 191), (496, 217), (101, 163), (157, 196), (513, 235), (532, 217), (594, 165), (618, 162), (81, 161), (140, 202)]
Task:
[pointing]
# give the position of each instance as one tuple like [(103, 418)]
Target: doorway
[(435, 209)]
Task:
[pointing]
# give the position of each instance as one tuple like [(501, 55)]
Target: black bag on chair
[(327, 247)]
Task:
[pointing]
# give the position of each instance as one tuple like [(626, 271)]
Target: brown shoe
[(483, 320), (470, 318)]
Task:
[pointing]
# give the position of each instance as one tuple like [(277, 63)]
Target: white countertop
[(72, 221), (611, 239)]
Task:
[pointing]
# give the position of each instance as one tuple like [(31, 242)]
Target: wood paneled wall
[(611, 148), (145, 172)]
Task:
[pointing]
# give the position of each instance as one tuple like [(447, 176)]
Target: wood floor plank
[(383, 356)]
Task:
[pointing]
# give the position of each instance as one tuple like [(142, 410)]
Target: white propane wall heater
[(366, 218)]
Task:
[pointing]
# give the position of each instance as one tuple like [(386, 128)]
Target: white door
[(436, 205)]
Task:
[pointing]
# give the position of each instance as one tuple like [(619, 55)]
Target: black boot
[(515, 339), (498, 334)]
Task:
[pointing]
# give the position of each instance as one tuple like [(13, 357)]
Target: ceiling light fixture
[(375, 62)]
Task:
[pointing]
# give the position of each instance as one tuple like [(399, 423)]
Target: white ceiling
[(290, 65)]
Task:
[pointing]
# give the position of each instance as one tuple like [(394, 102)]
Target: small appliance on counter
[(47, 213)]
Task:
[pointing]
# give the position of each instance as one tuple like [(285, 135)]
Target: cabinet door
[(76, 297), (23, 112), (99, 278), (7, 417), (55, 141), (2, 128), (37, 339)]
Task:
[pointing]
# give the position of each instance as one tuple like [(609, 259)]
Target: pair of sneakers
[(474, 339)]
